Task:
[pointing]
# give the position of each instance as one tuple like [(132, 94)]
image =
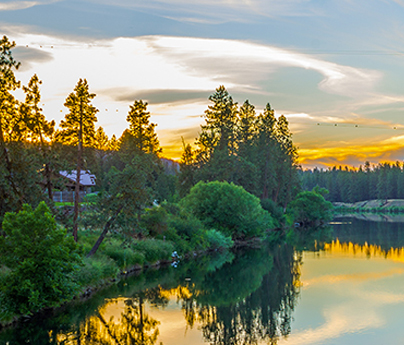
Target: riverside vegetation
[(239, 182)]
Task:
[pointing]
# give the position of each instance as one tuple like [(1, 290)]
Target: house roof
[(86, 178)]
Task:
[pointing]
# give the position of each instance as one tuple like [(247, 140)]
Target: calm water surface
[(342, 286)]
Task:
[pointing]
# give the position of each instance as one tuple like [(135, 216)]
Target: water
[(335, 287)]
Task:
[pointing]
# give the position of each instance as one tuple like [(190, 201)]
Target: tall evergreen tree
[(246, 128), (78, 129), (8, 113), (265, 150), (144, 137), (39, 130), (285, 166), (217, 141)]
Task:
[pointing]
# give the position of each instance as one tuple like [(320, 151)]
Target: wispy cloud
[(220, 11), (246, 63), (22, 5), (17, 5)]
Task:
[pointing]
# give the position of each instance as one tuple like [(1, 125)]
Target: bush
[(310, 208), (189, 228), (228, 208), (41, 259)]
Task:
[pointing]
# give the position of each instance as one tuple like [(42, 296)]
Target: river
[(342, 285)]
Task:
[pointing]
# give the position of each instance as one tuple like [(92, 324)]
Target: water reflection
[(384, 234), (366, 250), (242, 299), (244, 302)]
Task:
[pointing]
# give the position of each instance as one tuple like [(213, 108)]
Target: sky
[(334, 68)]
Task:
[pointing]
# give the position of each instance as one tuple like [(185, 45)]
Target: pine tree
[(144, 137), (217, 142), (11, 196), (39, 130), (246, 128), (78, 129), (187, 170), (265, 149)]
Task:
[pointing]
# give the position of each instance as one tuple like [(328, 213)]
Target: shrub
[(310, 208), (41, 259), (228, 208)]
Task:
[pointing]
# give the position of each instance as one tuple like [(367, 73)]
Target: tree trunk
[(77, 185), (4, 153), (104, 232), (48, 181), (77, 197)]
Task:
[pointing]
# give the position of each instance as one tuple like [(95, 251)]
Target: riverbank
[(371, 206), (110, 267)]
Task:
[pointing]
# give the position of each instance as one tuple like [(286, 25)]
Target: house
[(87, 180)]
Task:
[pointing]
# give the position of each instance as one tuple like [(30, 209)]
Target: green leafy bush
[(189, 228), (41, 259), (310, 208), (228, 208)]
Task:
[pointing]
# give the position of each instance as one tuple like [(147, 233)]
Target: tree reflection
[(249, 300), (133, 326)]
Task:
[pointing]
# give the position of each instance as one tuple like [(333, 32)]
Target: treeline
[(368, 182)]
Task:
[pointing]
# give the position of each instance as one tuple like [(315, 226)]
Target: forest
[(238, 181), (368, 182)]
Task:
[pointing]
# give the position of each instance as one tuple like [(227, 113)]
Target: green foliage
[(96, 271), (310, 208), (274, 210), (123, 255), (154, 220), (166, 187), (78, 125), (154, 250), (41, 259), (228, 208), (217, 240), (143, 136), (368, 182)]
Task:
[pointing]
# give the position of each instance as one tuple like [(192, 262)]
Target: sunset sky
[(335, 68)]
